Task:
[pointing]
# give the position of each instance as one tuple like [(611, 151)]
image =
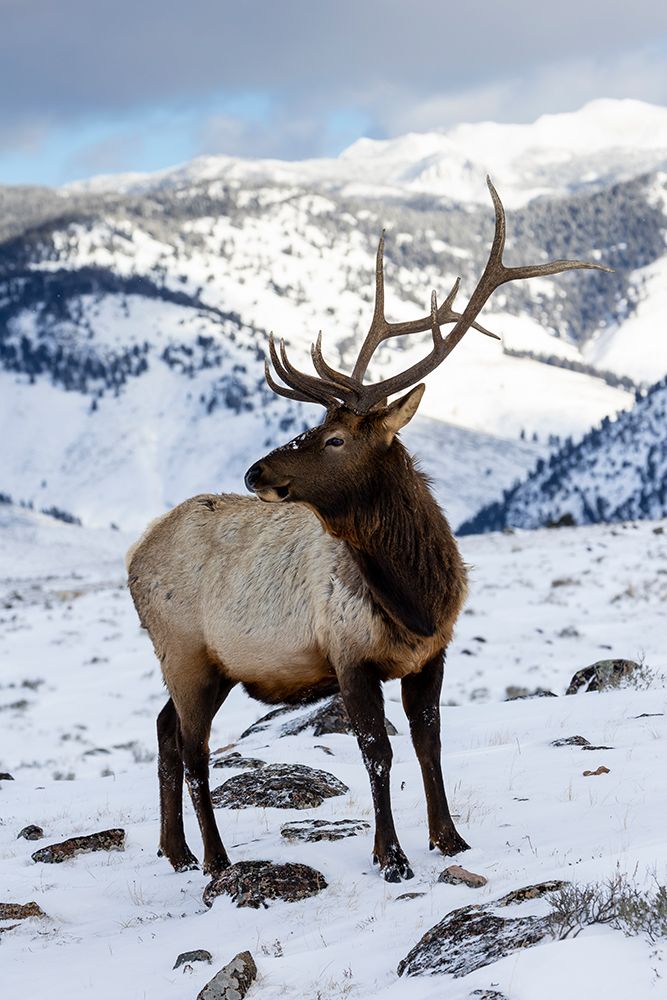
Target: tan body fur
[(264, 594)]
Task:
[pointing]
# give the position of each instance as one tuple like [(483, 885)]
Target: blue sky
[(94, 86)]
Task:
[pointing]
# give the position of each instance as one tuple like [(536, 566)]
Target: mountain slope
[(617, 472), (133, 314)]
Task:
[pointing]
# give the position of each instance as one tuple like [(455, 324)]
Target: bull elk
[(347, 575)]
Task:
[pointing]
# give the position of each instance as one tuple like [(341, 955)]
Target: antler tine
[(326, 371), (308, 382), (306, 388), (381, 330), (280, 389), (495, 274)]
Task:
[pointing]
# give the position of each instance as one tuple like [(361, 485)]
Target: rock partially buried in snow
[(601, 675), (105, 840), (313, 830), (571, 741), (514, 693), (20, 911), (598, 771), (238, 760), (328, 718), (487, 995), (282, 786), (456, 875), (198, 955), (233, 981), (468, 939), (474, 936), (31, 832), (252, 883)]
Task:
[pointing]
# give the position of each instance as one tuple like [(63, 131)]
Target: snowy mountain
[(134, 310), (617, 472)]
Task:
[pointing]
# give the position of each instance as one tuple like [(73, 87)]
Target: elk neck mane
[(402, 544)]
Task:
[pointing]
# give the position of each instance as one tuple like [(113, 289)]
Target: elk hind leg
[(362, 695), (421, 701), (198, 689), (170, 775)]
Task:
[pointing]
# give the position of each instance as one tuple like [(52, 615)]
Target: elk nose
[(253, 476)]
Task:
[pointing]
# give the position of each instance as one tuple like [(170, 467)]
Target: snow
[(71, 648), (639, 347), (567, 150)]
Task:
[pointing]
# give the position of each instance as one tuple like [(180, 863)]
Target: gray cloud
[(404, 65)]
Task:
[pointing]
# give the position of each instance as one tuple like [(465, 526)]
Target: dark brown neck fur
[(403, 545)]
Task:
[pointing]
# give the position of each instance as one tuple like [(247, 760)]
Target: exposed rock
[(238, 760), (20, 911), (283, 786), (31, 832), (474, 936), (6, 776), (514, 693), (252, 883), (594, 774), (311, 830), (488, 995), (199, 955), (409, 895), (470, 938), (105, 840), (601, 675), (326, 750), (571, 741), (329, 717), (591, 746), (456, 875), (233, 981), (530, 892)]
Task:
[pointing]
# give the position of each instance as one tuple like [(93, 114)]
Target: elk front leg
[(362, 696), (421, 701)]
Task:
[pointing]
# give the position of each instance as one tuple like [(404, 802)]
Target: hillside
[(79, 693), (617, 472), (134, 311)]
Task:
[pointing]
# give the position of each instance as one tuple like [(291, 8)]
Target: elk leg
[(170, 774), (197, 690), (421, 701), (362, 696), (196, 716)]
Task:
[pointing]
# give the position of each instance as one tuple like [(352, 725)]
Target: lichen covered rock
[(233, 981), (313, 830), (281, 786), (253, 883), (105, 840)]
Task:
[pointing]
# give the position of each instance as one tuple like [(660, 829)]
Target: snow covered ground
[(79, 692)]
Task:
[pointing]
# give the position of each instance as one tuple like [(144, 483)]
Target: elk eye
[(334, 442)]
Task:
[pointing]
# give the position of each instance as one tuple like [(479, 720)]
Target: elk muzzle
[(258, 480)]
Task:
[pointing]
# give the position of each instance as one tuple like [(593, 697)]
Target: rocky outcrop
[(105, 840), (329, 717), (233, 981), (188, 957), (601, 676), (31, 832), (474, 936), (253, 883), (313, 830), (20, 911), (282, 786)]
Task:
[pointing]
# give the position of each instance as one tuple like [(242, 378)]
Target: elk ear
[(401, 411)]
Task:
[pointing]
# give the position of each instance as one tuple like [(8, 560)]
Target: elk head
[(329, 467)]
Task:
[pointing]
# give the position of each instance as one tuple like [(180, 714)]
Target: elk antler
[(333, 387)]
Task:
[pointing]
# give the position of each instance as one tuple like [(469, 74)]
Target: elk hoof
[(449, 844), (394, 865), (183, 861)]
